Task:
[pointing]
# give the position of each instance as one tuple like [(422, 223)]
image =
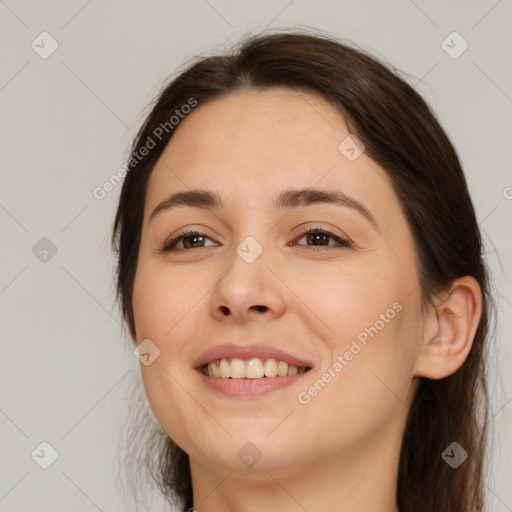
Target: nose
[(247, 291)]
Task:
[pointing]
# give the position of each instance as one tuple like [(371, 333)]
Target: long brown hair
[(401, 133)]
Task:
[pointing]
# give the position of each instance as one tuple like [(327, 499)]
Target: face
[(342, 301)]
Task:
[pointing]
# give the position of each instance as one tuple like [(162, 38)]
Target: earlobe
[(450, 330)]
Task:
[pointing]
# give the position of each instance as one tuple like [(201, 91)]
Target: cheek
[(164, 312), (162, 297), (370, 322), (364, 392), (344, 303)]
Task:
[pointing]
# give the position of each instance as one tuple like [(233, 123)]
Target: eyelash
[(343, 243)]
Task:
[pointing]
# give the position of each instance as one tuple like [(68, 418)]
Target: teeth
[(215, 370), (254, 368), (225, 369), (237, 369), (270, 368)]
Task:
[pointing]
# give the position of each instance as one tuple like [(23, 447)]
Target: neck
[(358, 479)]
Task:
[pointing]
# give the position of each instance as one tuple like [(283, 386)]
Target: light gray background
[(67, 122)]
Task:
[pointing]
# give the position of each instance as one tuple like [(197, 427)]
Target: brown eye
[(189, 240), (318, 237)]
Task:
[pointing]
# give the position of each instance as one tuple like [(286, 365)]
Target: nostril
[(226, 310)]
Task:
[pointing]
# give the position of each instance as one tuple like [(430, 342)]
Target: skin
[(339, 451)]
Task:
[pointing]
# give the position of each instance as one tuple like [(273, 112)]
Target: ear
[(449, 330)]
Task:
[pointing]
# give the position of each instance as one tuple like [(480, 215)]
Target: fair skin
[(339, 451)]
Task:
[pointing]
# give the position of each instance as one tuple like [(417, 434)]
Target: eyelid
[(175, 238)]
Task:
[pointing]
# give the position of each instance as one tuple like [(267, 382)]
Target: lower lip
[(244, 388)]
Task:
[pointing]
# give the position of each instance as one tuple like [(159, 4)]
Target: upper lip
[(231, 351)]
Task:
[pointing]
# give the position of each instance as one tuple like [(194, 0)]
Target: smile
[(248, 370), (253, 368)]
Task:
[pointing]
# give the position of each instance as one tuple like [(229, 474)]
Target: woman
[(299, 264)]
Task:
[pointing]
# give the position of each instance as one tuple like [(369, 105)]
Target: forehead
[(251, 145)]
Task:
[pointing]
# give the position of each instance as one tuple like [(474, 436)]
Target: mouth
[(253, 368), (245, 371)]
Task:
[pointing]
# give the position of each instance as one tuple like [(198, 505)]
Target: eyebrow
[(288, 199)]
